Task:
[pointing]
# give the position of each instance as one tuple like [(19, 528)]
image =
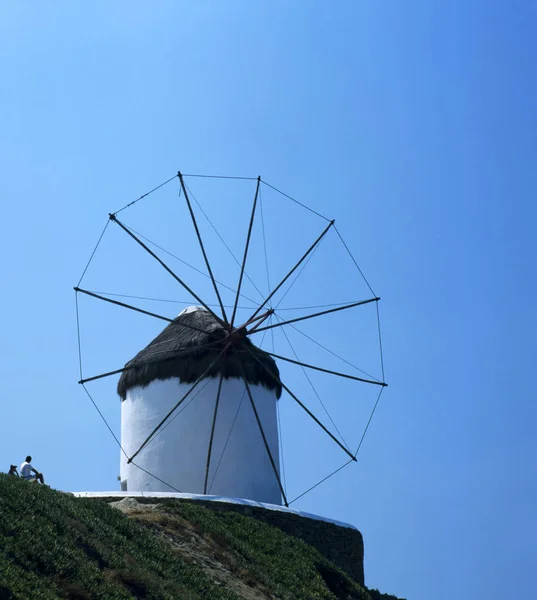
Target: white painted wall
[(178, 455)]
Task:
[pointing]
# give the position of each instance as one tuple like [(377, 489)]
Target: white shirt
[(26, 470)]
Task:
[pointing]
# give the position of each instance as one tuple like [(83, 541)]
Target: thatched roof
[(186, 348)]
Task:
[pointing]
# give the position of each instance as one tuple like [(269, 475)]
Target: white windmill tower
[(195, 358), (227, 443)]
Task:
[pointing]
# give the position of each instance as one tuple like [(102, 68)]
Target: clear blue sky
[(413, 124)]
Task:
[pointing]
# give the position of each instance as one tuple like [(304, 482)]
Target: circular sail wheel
[(241, 317)]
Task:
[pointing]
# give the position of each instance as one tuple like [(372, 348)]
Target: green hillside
[(56, 546)]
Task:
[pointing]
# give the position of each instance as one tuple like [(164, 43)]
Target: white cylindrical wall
[(240, 466)]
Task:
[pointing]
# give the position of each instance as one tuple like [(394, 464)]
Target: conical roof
[(188, 346)]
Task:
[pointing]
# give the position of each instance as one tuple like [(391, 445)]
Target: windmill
[(208, 358)]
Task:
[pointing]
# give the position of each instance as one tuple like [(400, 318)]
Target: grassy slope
[(56, 546)]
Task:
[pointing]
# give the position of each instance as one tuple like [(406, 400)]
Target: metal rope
[(155, 477), (219, 177), (295, 201), (368, 422), (104, 420), (322, 481), (144, 195), (354, 261), (163, 300), (93, 253)]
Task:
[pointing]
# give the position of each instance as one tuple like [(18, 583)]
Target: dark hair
[(12, 467), (28, 459)]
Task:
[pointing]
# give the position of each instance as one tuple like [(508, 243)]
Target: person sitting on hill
[(27, 470), (13, 471)]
